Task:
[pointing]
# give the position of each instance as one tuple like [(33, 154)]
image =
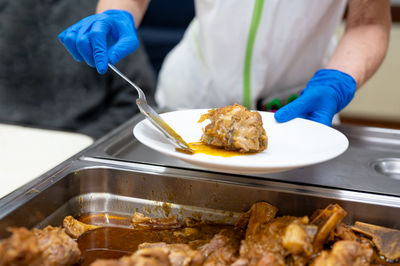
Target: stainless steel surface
[(388, 166), (353, 170), (96, 186), (153, 117)]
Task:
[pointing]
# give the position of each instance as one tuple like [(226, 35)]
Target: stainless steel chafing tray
[(118, 175), (96, 186)]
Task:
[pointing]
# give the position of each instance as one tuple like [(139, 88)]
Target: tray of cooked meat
[(94, 212)]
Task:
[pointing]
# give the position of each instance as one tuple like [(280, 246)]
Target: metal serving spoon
[(155, 118)]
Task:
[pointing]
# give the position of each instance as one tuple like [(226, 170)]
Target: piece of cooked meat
[(75, 228), (260, 213), (144, 257), (344, 253), (234, 128), (385, 239), (178, 254), (144, 222), (252, 249), (50, 246), (298, 237), (326, 221), (223, 248), (344, 232), (21, 247), (160, 254), (286, 239), (271, 241)]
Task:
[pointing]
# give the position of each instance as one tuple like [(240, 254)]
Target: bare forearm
[(360, 53), (364, 44), (136, 7)]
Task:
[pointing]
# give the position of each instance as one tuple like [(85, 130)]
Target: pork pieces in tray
[(259, 237), (50, 246)]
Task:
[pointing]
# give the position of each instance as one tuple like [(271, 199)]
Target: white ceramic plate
[(293, 144)]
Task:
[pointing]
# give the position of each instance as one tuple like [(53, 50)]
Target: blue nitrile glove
[(101, 38), (327, 93)]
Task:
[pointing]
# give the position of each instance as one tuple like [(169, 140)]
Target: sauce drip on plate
[(201, 147)]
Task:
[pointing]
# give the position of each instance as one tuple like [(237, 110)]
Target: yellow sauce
[(200, 147)]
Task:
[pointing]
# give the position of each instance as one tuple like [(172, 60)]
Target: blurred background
[(161, 28)]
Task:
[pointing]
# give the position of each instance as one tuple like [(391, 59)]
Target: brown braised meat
[(275, 241), (259, 238), (145, 257), (254, 247), (385, 239), (158, 254), (326, 221), (286, 240), (234, 128), (178, 254), (199, 245), (75, 228), (223, 248), (50, 246), (344, 253)]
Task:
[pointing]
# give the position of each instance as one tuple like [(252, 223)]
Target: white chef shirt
[(207, 69)]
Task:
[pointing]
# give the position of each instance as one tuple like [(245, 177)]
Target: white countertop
[(26, 153)]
